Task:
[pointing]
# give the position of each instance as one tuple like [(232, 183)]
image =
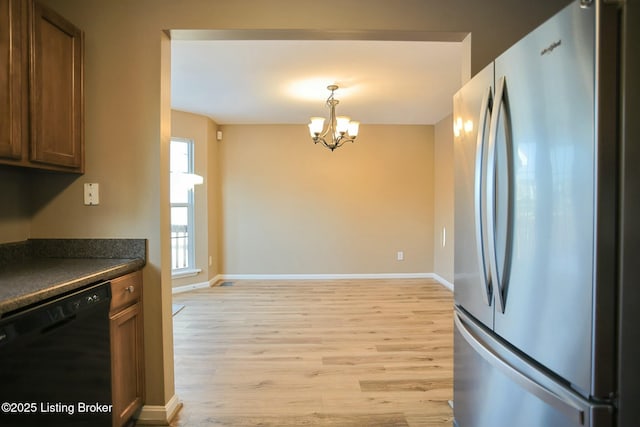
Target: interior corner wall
[(444, 187), (292, 207), (15, 213), (201, 130), (213, 200), (465, 69)]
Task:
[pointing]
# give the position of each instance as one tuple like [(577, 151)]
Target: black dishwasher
[(55, 364)]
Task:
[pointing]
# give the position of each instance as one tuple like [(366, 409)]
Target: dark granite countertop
[(37, 270)]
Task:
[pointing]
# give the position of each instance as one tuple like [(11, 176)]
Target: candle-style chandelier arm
[(340, 129)]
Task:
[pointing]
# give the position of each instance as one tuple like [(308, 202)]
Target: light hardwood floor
[(346, 353)]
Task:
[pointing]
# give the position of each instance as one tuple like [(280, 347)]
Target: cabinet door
[(127, 359), (57, 128), (13, 78)]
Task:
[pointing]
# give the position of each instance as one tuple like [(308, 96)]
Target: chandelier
[(340, 129)]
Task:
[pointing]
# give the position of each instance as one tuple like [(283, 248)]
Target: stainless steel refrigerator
[(538, 148)]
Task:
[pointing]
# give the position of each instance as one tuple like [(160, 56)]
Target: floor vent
[(226, 284)]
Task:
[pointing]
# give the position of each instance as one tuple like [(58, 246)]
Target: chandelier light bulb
[(342, 123), (353, 129), (316, 125)]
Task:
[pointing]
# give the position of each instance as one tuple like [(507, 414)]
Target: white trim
[(193, 286), (434, 276), (327, 276), (159, 415), (444, 282), (185, 272)]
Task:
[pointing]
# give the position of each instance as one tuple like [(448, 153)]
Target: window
[(182, 213)]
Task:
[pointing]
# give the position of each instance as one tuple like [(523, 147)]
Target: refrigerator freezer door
[(549, 102), (494, 387), (472, 112)]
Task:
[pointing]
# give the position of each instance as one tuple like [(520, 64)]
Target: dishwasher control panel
[(51, 314)]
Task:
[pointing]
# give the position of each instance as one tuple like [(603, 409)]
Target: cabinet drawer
[(126, 290)]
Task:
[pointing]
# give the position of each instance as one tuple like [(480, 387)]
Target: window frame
[(190, 268)]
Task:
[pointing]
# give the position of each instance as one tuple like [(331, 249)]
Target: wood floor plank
[(420, 385), (346, 353), (311, 420)]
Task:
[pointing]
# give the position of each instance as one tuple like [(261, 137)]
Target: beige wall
[(443, 249), (127, 117), (15, 212), (202, 131), (292, 207)]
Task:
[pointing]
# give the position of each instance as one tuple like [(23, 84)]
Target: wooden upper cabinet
[(13, 78), (56, 92)]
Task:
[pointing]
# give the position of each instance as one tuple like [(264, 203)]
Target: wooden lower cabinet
[(127, 347)]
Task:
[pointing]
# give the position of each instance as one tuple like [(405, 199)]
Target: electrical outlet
[(91, 194), (400, 256)]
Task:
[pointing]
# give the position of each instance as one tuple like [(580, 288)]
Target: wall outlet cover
[(91, 194)]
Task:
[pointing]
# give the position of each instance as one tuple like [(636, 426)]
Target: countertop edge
[(29, 299)]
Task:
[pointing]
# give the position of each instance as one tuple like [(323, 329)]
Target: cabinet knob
[(130, 289)]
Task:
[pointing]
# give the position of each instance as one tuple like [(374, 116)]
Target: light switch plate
[(91, 194)]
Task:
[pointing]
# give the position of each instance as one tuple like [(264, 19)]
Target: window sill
[(187, 272)]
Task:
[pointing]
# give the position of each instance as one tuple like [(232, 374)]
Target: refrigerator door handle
[(496, 275), (565, 406), (487, 103)]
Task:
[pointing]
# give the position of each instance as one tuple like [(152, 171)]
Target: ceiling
[(284, 81)]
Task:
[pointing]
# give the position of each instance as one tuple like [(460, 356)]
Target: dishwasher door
[(55, 364)]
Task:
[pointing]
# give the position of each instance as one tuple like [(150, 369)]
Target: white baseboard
[(444, 282), (193, 286), (326, 276), (159, 415)]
